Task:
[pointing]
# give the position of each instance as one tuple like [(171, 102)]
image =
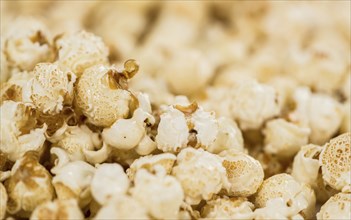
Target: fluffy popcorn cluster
[(175, 110)]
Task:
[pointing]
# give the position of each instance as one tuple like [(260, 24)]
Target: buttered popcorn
[(175, 110)]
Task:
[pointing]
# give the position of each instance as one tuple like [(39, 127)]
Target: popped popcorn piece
[(18, 130), (244, 173), (228, 208), (58, 209), (200, 173), (283, 138), (4, 67), (3, 201), (77, 52), (108, 181), (50, 88), (101, 94), (29, 185), (151, 162), (122, 207), (27, 42), (337, 207), (284, 190), (161, 194), (335, 162), (12, 89)]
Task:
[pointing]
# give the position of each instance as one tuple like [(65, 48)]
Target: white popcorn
[(79, 51), (109, 181), (244, 173), (161, 194), (228, 208), (335, 161), (337, 207), (283, 138), (172, 131), (49, 89), (101, 95), (58, 209), (200, 173), (18, 130), (151, 163), (283, 189), (29, 185), (122, 207), (3, 201)]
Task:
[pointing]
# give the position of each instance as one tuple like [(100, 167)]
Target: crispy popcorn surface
[(175, 110)]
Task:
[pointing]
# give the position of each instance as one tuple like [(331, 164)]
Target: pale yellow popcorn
[(12, 89), (4, 67), (283, 138), (335, 161), (109, 181), (58, 209), (29, 185), (161, 194), (77, 52), (200, 173), (18, 130), (101, 94), (283, 189), (50, 89), (122, 207), (3, 201), (150, 162), (228, 208), (27, 42), (244, 173), (337, 207)]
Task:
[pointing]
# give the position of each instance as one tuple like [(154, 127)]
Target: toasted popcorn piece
[(228, 137), (228, 208), (253, 103), (337, 207), (101, 94), (184, 68), (109, 181), (151, 162), (50, 88), (72, 181), (29, 185), (58, 209), (283, 138), (335, 161), (172, 132), (18, 130), (3, 201), (282, 188), (345, 123), (27, 42), (122, 207), (77, 52), (161, 194), (244, 173), (200, 173)]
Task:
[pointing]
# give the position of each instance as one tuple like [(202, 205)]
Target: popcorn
[(3, 201), (58, 209), (335, 162), (337, 207)]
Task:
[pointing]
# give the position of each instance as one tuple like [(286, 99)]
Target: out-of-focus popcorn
[(18, 130), (335, 161), (109, 181), (283, 190), (346, 121), (283, 138), (58, 209), (208, 172), (161, 194), (228, 208), (337, 207), (29, 185), (50, 89), (245, 174), (3, 201), (77, 52)]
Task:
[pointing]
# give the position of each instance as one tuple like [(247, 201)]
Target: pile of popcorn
[(175, 110)]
